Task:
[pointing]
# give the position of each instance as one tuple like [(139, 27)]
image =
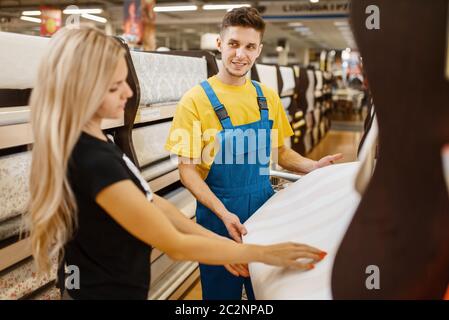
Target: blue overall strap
[(261, 101), (219, 108)]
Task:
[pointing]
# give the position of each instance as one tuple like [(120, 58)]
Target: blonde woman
[(89, 200)]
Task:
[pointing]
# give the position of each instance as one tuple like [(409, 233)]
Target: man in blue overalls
[(243, 121)]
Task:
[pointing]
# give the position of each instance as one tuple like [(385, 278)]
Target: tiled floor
[(345, 142)]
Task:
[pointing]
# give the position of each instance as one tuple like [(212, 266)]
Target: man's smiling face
[(239, 47)]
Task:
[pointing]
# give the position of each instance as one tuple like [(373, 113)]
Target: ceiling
[(317, 26)]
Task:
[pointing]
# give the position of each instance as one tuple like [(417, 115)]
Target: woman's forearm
[(216, 251), (180, 221)]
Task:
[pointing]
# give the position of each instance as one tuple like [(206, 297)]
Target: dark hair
[(244, 17)]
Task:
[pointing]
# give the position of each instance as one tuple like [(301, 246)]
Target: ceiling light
[(31, 13), (82, 11), (224, 6), (302, 29), (343, 28), (31, 19), (295, 24), (94, 18), (341, 23), (314, 1), (175, 8)]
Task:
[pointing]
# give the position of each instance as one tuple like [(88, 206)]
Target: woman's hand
[(288, 254)]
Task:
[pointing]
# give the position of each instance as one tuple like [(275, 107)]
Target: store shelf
[(164, 181), (19, 134), (14, 253), (169, 282), (155, 113), (14, 115), (15, 135), (181, 291)]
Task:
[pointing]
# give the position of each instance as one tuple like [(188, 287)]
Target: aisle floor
[(336, 141)]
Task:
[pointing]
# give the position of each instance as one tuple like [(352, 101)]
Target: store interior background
[(302, 32)]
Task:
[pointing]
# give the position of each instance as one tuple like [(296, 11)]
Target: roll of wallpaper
[(164, 77), (51, 293), (10, 227), (161, 266), (22, 279), (268, 76), (19, 59), (288, 79), (14, 115), (310, 91), (14, 187), (316, 135), (183, 200), (316, 210), (149, 142), (319, 80), (159, 169)]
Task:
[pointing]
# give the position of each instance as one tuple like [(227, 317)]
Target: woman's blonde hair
[(72, 81)]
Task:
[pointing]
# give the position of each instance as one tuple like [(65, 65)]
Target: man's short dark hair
[(244, 17)]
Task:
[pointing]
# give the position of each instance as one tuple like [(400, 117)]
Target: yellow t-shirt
[(195, 123)]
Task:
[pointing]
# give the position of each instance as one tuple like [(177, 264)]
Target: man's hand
[(234, 227), (238, 270), (328, 160)]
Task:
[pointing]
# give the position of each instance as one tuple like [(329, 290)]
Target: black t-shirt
[(112, 263)]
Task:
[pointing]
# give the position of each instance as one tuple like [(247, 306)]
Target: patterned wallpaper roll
[(164, 78), (14, 187), (10, 227), (51, 293), (149, 142), (286, 103), (23, 280)]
